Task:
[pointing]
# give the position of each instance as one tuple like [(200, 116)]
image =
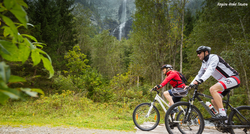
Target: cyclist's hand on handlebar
[(194, 83), (191, 86), (186, 88), (156, 87), (153, 89)]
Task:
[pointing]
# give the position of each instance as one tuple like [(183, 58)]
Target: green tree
[(54, 25), (156, 36), (107, 55), (77, 62), (18, 47), (84, 28)]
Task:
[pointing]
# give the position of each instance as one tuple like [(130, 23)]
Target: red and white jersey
[(216, 67)]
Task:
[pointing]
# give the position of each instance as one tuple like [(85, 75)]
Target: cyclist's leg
[(217, 100), (168, 95), (225, 86), (215, 105), (222, 94)]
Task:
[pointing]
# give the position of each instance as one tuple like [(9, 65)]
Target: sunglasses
[(199, 52)]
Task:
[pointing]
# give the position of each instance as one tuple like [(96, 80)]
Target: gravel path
[(60, 130), (56, 130)]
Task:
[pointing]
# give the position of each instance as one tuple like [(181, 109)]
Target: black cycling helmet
[(203, 49), (167, 66)]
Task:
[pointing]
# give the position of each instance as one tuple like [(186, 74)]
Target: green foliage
[(68, 109), (77, 62), (64, 83), (109, 60), (58, 101), (155, 37), (81, 78), (53, 24), (17, 47), (123, 86), (94, 83)]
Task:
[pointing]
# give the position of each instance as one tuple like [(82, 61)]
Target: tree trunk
[(182, 29), (138, 81)]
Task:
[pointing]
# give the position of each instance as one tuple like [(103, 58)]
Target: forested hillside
[(90, 62)]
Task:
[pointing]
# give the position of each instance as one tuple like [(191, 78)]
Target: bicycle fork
[(188, 113), (150, 109)]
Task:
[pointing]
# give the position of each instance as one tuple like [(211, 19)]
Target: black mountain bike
[(190, 120)]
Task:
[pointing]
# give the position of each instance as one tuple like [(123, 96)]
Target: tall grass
[(69, 110)]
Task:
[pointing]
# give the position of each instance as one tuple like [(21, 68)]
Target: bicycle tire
[(236, 119), (194, 125), (146, 123)]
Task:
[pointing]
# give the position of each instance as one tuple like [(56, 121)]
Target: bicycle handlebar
[(192, 86), (188, 88), (154, 89)]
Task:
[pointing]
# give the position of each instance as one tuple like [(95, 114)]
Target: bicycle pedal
[(172, 125)]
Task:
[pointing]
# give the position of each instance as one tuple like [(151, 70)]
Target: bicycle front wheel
[(146, 117), (241, 119), (180, 122)]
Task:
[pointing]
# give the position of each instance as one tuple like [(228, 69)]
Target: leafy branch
[(16, 47)]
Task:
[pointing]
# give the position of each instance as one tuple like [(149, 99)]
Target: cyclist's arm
[(170, 77), (211, 68), (199, 75)]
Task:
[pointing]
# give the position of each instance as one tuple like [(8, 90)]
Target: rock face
[(115, 15)]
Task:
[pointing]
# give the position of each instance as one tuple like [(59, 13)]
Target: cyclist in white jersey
[(226, 76)]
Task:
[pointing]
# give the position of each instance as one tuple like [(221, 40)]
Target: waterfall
[(121, 27), (119, 31), (123, 19)]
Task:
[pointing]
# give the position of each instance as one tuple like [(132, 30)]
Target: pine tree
[(54, 25)]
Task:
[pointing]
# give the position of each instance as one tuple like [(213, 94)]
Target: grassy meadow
[(70, 110)]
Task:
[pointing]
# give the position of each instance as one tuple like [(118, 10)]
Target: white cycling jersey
[(216, 67)]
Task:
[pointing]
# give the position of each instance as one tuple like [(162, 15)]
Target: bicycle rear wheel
[(236, 119), (192, 125), (145, 118)]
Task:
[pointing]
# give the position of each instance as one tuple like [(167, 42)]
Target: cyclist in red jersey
[(173, 78)]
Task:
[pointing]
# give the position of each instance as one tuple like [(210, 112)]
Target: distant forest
[(89, 61)]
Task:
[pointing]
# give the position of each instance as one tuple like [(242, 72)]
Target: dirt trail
[(56, 130), (60, 130)]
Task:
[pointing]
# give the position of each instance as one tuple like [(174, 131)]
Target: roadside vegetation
[(69, 109)]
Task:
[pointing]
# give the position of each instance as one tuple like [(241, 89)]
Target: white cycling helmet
[(203, 49)]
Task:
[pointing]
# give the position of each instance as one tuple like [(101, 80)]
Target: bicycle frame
[(161, 102), (196, 95)]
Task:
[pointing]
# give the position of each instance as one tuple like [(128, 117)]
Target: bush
[(64, 83)]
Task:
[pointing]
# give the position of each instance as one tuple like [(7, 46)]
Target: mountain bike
[(146, 116), (190, 120)]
